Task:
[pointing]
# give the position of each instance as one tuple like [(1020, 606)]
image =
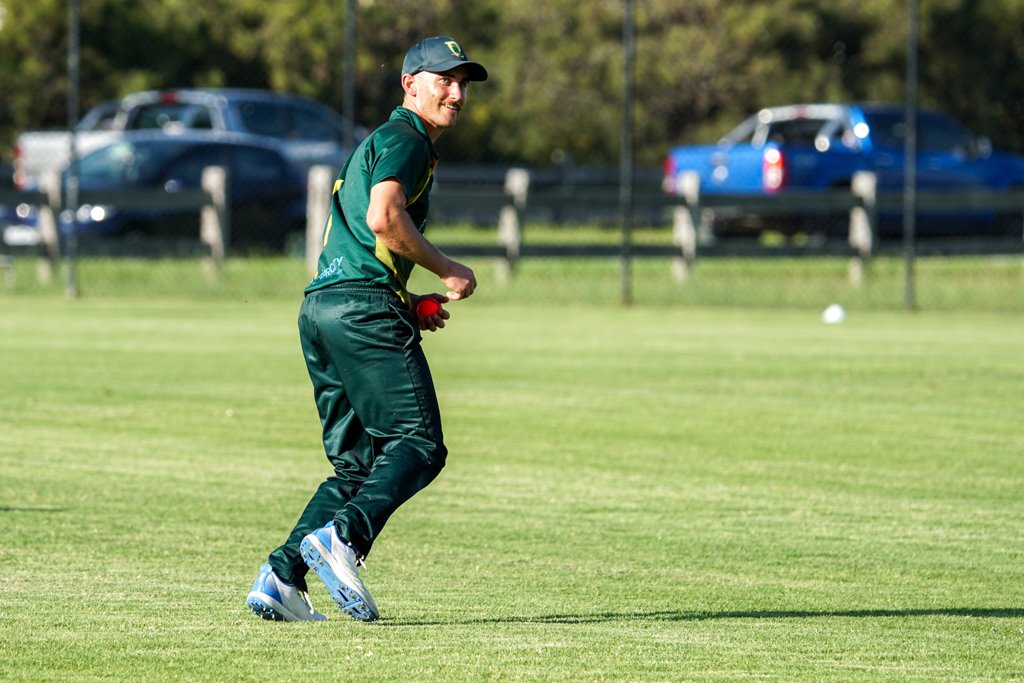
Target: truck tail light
[(668, 182), (19, 170), (773, 170)]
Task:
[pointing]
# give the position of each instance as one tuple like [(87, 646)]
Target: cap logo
[(456, 50)]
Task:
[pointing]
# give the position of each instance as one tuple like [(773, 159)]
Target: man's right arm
[(393, 226)]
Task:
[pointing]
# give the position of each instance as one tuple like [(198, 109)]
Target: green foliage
[(556, 66), (987, 94), (33, 89), (643, 495)]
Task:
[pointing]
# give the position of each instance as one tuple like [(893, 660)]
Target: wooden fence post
[(215, 218), (49, 236), (685, 222), (863, 219), (510, 231), (317, 202)]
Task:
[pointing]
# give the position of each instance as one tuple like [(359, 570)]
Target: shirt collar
[(410, 117)]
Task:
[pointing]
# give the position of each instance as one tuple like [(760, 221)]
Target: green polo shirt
[(400, 149)]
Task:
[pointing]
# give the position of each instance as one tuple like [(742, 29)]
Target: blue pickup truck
[(821, 146)]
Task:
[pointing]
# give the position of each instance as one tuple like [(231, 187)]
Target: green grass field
[(973, 283), (655, 494)]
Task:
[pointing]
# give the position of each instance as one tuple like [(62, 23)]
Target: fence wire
[(561, 239)]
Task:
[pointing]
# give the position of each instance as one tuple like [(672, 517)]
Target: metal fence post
[(626, 157), (317, 201), (72, 203), (863, 218), (910, 158)]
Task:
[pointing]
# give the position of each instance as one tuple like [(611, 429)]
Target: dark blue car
[(266, 190)]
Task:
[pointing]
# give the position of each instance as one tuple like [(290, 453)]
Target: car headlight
[(90, 213)]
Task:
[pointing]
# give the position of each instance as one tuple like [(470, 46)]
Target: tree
[(556, 65), (32, 82), (970, 65)]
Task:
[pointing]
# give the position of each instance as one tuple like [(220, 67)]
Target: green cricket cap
[(439, 54)]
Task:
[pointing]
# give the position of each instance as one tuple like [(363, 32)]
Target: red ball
[(427, 307)]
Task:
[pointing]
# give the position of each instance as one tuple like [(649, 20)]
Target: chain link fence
[(148, 211), (565, 242)]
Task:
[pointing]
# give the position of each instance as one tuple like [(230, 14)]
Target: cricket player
[(360, 336)]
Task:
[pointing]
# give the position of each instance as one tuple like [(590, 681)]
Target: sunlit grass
[(645, 494)]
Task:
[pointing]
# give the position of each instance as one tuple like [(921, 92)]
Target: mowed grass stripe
[(649, 494)]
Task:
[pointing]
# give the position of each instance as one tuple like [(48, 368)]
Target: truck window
[(124, 162), (188, 167), (887, 129), (940, 134), (110, 165), (202, 120), (149, 116), (935, 133), (834, 134), (100, 117), (265, 118), (312, 125), (795, 131)]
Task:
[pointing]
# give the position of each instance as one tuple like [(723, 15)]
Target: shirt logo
[(456, 50), (333, 267)]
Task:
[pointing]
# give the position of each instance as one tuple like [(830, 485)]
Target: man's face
[(438, 97)]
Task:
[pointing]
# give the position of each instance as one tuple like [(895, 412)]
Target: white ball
[(833, 315)]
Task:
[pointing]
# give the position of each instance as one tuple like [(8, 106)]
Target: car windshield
[(125, 163), (935, 133)]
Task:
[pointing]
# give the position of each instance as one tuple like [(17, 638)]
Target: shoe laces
[(360, 558)]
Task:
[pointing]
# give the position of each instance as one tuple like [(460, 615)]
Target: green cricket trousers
[(377, 404)]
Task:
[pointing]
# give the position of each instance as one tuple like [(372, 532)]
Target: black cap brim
[(476, 70)]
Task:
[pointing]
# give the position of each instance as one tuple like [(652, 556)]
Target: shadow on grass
[(668, 615), (13, 508)]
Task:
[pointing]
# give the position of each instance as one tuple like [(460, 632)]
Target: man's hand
[(433, 321), (459, 280)]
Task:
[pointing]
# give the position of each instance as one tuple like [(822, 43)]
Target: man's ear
[(409, 84)]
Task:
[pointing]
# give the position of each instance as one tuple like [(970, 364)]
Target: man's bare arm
[(391, 223)]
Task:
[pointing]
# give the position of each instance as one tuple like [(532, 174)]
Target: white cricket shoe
[(275, 599), (334, 561)]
